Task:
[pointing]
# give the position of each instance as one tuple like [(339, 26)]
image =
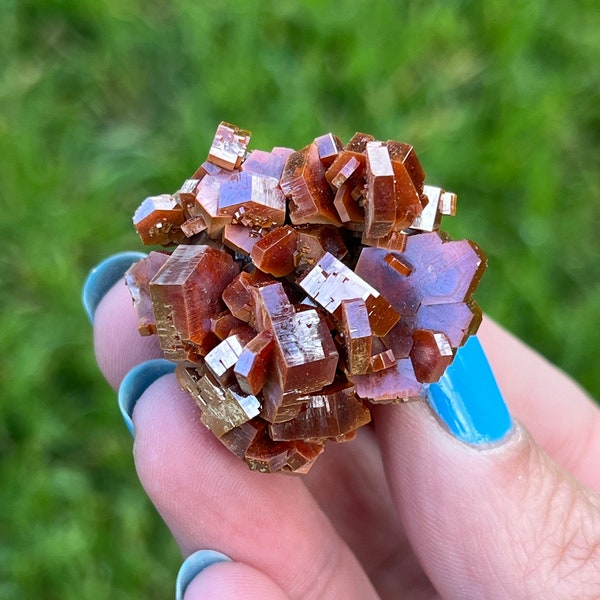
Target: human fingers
[(232, 581), (206, 496), (488, 513), (209, 499), (347, 482), (562, 418), (107, 302)]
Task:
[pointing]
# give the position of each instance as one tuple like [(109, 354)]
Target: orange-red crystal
[(303, 287)]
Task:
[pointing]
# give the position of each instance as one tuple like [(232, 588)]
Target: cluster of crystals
[(304, 287)]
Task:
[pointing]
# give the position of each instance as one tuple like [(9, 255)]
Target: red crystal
[(305, 358)]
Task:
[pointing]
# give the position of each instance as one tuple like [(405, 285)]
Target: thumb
[(486, 510)]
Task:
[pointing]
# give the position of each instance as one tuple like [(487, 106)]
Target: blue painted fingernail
[(467, 398), (193, 565), (103, 276), (136, 382)]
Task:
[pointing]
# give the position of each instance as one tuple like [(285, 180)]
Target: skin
[(405, 511)]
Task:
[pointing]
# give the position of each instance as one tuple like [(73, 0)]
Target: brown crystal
[(274, 253), (305, 357), (240, 438), (327, 414), (406, 154), (223, 408), (380, 206), (347, 207), (351, 161), (303, 182), (431, 354), (225, 324), (158, 220), (382, 360), (409, 198), (238, 296), (277, 405), (399, 265), (229, 146), (330, 282), (239, 238), (307, 286), (186, 195), (252, 200), (221, 360), (207, 204), (302, 455), (314, 241), (185, 293), (329, 145), (430, 217), (269, 164), (357, 335), (252, 366), (138, 278), (194, 226)]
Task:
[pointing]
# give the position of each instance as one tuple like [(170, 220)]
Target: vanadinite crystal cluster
[(296, 289)]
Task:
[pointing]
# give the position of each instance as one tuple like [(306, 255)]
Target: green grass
[(105, 102)]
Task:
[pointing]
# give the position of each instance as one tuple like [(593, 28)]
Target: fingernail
[(103, 276), (193, 565), (136, 382), (467, 398)]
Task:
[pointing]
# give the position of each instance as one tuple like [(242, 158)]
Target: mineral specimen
[(295, 289)]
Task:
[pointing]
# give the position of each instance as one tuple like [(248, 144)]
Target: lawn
[(105, 102)]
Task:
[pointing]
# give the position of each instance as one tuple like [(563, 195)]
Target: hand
[(407, 510)]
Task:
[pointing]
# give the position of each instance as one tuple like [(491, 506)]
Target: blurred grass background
[(105, 102)]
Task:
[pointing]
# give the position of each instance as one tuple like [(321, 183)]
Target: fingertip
[(136, 382), (102, 277), (117, 342), (193, 565), (468, 401), (227, 580)]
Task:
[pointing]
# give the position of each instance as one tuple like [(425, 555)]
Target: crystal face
[(295, 289)]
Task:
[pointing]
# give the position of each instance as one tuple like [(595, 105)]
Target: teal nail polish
[(467, 398), (103, 276), (136, 382), (193, 565)]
